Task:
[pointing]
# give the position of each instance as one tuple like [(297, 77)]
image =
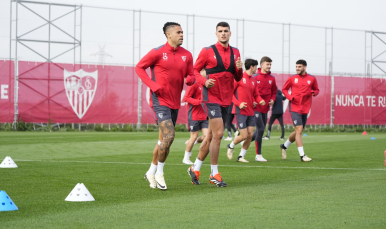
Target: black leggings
[(279, 117), (261, 122), (230, 126)]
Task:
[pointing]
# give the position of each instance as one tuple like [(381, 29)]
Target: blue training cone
[(6, 204), (304, 134), (372, 138)]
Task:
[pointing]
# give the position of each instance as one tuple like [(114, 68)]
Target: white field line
[(237, 166)]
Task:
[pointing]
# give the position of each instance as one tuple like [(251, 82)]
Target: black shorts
[(244, 121), (214, 110), (195, 126), (299, 119), (162, 113)]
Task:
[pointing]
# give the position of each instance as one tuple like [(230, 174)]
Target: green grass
[(343, 187)]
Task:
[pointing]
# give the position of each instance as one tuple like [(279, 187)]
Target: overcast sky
[(353, 14)]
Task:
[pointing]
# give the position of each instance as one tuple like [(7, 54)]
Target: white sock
[(214, 170), (159, 142), (195, 142), (187, 155), (243, 152), (152, 169), (232, 145), (287, 143), (160, 168), (301, 151), (197, 165)]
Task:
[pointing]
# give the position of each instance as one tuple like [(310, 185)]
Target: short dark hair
[(265, 59), (302, 62), (169, 24), (249, 63), (223, 24)]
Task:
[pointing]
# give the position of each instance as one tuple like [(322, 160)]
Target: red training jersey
[(245, 91), (169, 67), (267, 88), (301, 88), (219, 60), (193, 98)]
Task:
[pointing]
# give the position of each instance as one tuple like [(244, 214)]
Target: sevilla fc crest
[(296, 80), (183, 58), (80, 90), (270, 82), (309, 81)]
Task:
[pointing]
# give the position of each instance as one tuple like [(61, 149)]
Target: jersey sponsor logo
[(296, 80), (296, 121), (80, 89), (183, 58), (257, 115), (241, 125), (309, 81), (213, 112), (165, 56), (244, 80), (270, 82), (160, 115)]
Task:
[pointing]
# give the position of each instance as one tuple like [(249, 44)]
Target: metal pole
[(237, 33), (194, 19), (289, 48), (10, 33), (332, 103), (365, 52), (74, 33), (139, 80), (243, 40), (325, 51), (187, 31), (16, 89), (80, 38), (282, 54)]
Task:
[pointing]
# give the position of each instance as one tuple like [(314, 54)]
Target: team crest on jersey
[(199, 88), (213, 112), (183, 58), (296, 80), (257, 115), (244, 80), (258, 81), (160, 115), (296, 121), (309, 81), (270, 82), (253, 83), (241, 125), (80, 89), (165, 57)]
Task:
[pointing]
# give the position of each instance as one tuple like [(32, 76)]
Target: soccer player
[(169, 65), (230, 125), (223, 65), (303, 86), (197, 119), (277, 113), (245, 98), (267, 88)]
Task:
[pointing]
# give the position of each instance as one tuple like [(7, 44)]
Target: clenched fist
[(239, 64)]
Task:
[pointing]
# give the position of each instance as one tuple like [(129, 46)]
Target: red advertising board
[(7, 108)]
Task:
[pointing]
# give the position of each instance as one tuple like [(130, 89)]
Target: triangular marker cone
[(8, 163), (80, 193), (364, 133), (6, 204)]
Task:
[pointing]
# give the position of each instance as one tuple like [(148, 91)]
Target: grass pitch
[(343, 187)]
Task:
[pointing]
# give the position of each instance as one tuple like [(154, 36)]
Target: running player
[(277, 113), (197, 119), (223, 65), (303, 86), (267, 88), (169, 64), (245, 98)]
